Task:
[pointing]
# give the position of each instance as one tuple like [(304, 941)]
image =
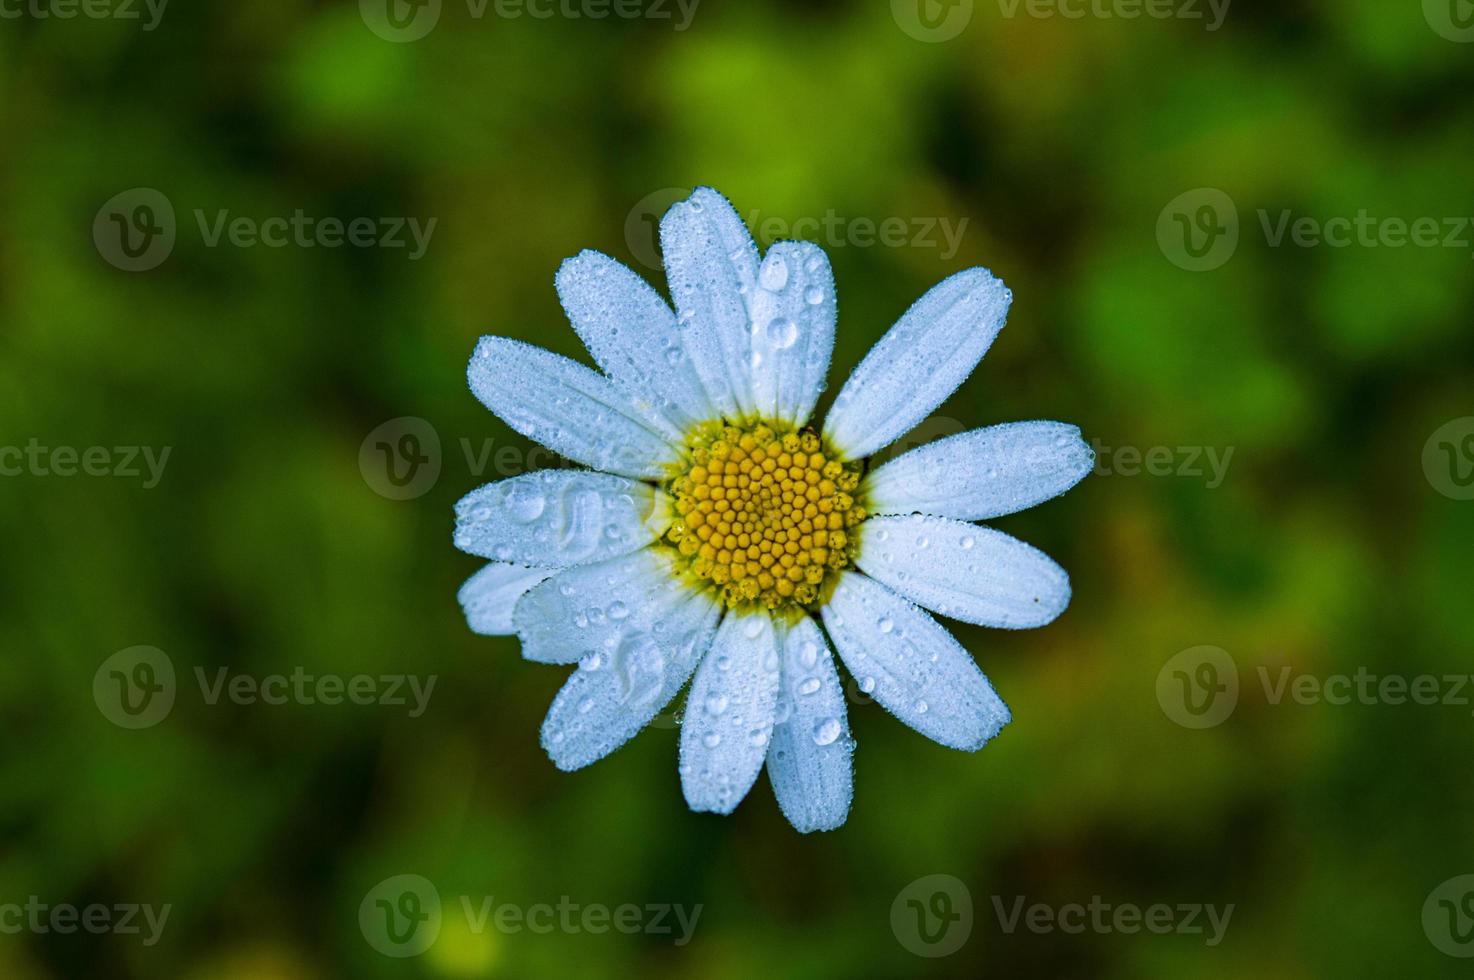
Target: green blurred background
[(266, 546)]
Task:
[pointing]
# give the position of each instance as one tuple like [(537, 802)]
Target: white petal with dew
[(711, 262), (554, 518), (729, 714), (793, 313), (913, 667), (568, 408), (585, 613), (631, 333), (982, 474), (489, 596), (963, 571), (918, 363), (611, 698), (811, 758)]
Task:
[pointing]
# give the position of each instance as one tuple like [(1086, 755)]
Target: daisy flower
[(721, 538)]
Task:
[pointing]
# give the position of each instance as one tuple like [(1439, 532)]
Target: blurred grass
[(264, 549)]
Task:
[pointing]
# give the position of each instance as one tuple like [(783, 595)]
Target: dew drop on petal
[(782, 333), (774, 274), (826, 731)]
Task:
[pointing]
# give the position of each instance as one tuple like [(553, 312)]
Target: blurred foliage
[(263, 549)]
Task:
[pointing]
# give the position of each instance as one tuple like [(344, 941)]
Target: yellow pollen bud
[(762, 514)]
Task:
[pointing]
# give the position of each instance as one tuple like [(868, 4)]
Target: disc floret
[(764, 514)]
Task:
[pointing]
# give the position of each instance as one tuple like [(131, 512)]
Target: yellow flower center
[(763, 514)]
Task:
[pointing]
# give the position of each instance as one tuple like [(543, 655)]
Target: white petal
[(588, 611), (711, 262), (918, 363), (631, 333), (911, 665), (811, 760), (610, 698), (568, 408), (963, 571), (985, 473), (793, 312), (554, 518), (729, 714), (489, 596)]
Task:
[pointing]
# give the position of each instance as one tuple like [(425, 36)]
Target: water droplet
[(808, 654), (826, 731), (674, 355), (712, 740), (585, 706), (967, 542), (810, 686), (754, 628), (618, 610), (886, 624), (921, 707), (716, 704), (814, 295), (774, 274), (758, 736), (782, 333), (592, 660), (867, 684), (524, 503)]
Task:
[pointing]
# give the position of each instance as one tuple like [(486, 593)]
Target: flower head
[(720, 538)]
